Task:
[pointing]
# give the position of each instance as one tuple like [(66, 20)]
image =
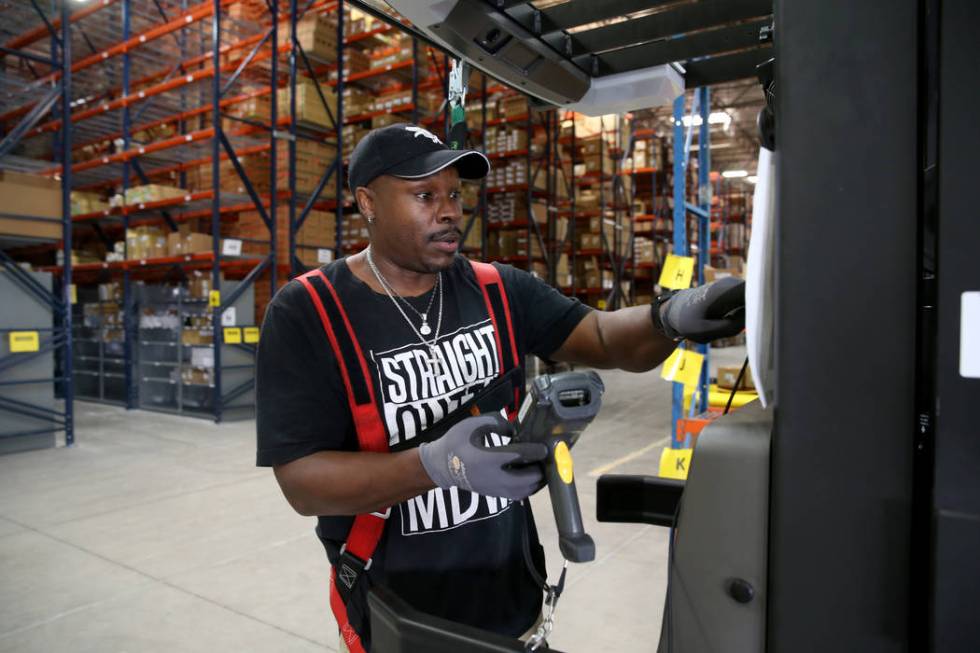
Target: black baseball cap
[(410, 152)]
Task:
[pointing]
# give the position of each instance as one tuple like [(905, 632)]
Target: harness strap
[(356, 554), (495, 298)]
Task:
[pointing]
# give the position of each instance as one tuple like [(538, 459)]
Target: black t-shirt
[(450, 553)]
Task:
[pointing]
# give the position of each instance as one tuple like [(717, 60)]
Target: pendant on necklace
[(424, 329), (434, 363)]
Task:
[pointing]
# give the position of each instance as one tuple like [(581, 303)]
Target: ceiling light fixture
[(714, 118), (735, 174)]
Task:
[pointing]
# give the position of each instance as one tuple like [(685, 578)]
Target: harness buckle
[(349, 569)]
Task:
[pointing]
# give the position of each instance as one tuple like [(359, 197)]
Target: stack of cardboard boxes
[(515, 172), (145, 194), (184, 241), (509, 243), (512, 107), (149, 242), (87, 202), (313, 159), (505, 139), (595, 156), (513, 207), (34, 196), (316, 33), (352, 136), (146, 242), (317, 232), (355, 230)]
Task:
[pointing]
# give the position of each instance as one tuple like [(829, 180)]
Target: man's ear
[(365, 200)]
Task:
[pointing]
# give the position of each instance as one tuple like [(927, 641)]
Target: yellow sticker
[(251, 335), (233, 335), (674, 463), (214, 298), (678, 272), (24, 341), (73, 293), (563, 461), (683, 366)]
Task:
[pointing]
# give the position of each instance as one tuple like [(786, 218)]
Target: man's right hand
[(461, 458)]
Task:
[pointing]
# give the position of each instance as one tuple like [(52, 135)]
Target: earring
[(369, 218)]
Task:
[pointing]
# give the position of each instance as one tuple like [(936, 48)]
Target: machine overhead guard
[(496, 44)]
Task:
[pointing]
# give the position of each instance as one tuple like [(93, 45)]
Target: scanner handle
[(575, 544)]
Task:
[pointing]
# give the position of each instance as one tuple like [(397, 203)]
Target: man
[(392, 340)]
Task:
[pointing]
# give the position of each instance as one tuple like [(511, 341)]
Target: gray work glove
[(461, 458), (702, 314)]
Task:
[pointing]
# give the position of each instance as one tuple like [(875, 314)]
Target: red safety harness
[(357, 553)]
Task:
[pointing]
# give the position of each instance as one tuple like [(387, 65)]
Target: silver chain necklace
[(424, 330)]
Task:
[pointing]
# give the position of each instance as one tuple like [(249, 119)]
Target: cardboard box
[(318, 232), (728, 375), (82, 203), (199, 285), (195, 243), (513, 106), (34, 196), (309, 106), (713, 274), (152, 193), (175, 243), (146, 242), (316, 33)]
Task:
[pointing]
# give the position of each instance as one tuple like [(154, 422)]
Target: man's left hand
[(702, 314)]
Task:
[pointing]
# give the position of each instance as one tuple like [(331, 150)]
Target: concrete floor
[(158, 533)]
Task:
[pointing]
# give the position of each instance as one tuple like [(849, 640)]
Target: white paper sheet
[(759, 281)]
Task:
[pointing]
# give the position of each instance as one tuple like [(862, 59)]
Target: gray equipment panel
[(721, 539), (23, 311)]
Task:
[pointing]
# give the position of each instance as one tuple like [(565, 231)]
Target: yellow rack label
[(678, 272), (675, 463), (72, 293), (233, 335), (251, 335), (683, 366), (24, 341), (214, 298)]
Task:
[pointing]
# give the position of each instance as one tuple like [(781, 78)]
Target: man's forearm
[(630, 341), (351, 483)]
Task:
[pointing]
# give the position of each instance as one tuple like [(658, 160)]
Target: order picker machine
[(870, 496)]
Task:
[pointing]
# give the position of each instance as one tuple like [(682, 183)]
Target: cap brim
[(470, 164)]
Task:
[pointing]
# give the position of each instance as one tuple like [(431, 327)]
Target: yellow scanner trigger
[(563, 461)]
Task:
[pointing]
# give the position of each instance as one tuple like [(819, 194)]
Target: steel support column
[(216, 204), (68, 385), (680, 241), (704, 222)]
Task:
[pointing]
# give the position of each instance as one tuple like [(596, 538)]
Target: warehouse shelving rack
[(725, 216), (37, 69), (648, 182), (615, 210), (123, 89), (537, 235), (134, 117)]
